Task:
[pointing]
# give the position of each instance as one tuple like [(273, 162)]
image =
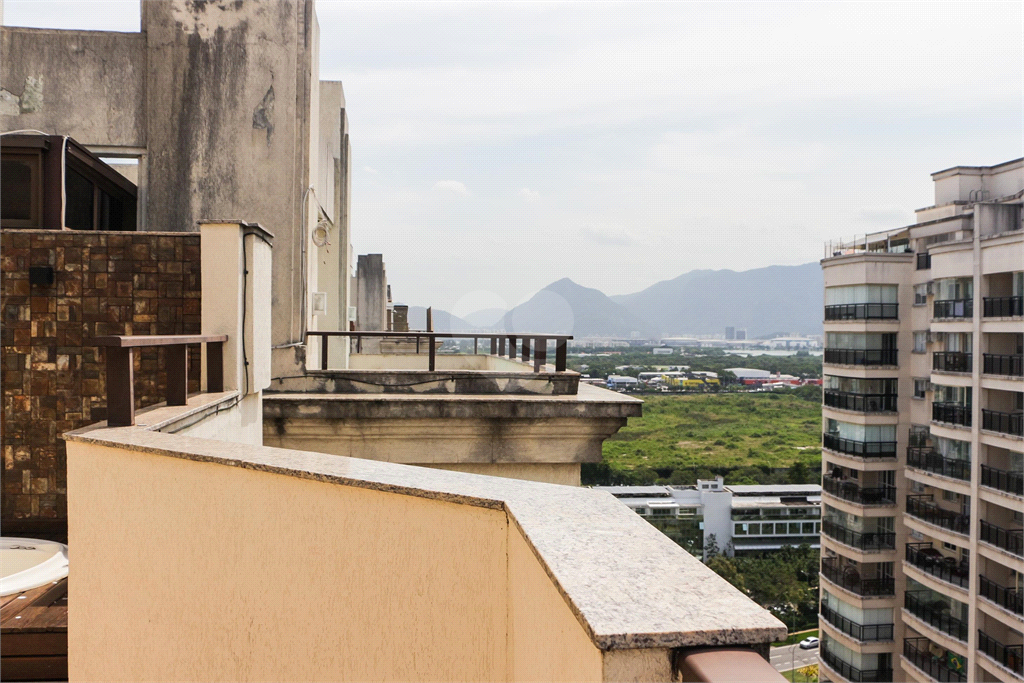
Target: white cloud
[(528, 195), (609, 237), (451, 187)]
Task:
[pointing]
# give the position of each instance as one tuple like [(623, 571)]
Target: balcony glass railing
[(935, 613), (952, 413), (864, 403), (923, 508), (862, 449), (1010, 656), (850, 579), (864, 540), (1007, 598), (1003, 306), (1010, 540), (862, 312), (1005, 423), (849, 671), (848, 490), (1003, 364), (925, 458), (861, 356), (952, 361), (1010, 482), (931, 561), (954, 308), (920, 653), (861, 632)]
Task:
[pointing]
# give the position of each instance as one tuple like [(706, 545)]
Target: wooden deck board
[(34, 634)]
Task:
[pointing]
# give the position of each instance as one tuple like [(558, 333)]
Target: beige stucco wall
[(195, 571)]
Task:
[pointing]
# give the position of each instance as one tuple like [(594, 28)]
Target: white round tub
[(27, 563)]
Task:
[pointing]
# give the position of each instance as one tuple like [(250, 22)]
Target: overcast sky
[(501, 146)]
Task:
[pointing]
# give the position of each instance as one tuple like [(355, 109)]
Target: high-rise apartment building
[(922, 571)]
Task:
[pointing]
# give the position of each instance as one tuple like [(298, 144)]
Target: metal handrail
[(925, 458), (852, 582), (952, 361), (863, 449), (861, 632), (1007, 598), (1010, 656), (1005, 423), (915, 603), (1010, 365), (862, 311), (1010, 540), (1003, 306), (953, 308), (1001, 480), (960, 575), (924, 660), (538, 342), (869, 540), (861, 356), (923, 508), (952, 413), (864, 403), (848, 490), (850, 672)]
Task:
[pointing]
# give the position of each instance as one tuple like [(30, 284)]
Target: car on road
[(809, 643)]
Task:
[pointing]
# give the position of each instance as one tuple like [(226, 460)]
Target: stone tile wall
[(53, 380)]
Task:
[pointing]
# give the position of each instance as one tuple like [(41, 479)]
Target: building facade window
[(920, 388), (921, 294), (921, 342)]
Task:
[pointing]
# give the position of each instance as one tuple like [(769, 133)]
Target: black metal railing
[(861, 356), (953, 413), (1010, 540), (931, 561), (866, 540), (932, 611), (851, 580), (925, 458), (1003, 364), (919, 653), (1010, 482), (1007, 598), (1006, 423), (863, 449), (862, 312), (1010, 656), (922, 507), (924, 261), (848, 490), (1002, 306), (864, 403), (861, 632), (850, 672), (952, 361), (953, 308)]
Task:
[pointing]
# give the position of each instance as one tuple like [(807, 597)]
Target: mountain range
[(762, 301)]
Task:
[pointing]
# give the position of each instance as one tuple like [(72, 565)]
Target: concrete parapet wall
[(516, 382)]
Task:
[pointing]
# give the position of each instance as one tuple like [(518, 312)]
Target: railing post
[(540, 354), (475, 340), (120, 387), (323, 351), (526, 349), (417, 344), (501, 346), (177, 374), (561, 350), (512, 347), (215, 367), (494, 346), (432, 352)]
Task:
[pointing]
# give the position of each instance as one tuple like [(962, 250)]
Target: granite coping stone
[(629, 585)]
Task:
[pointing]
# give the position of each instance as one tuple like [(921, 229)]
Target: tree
[(798, 473), (726, 568)]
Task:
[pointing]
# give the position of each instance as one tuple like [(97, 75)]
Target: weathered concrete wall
[(90, 85)]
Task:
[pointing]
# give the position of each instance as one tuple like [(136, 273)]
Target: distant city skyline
[(500, 147)]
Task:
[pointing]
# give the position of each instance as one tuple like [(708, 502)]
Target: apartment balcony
[(931, 561), (1010, 656), (850, 579), (1010, 540), (1009, 365), (865, 357), (1001, 480), (935, 614), (952, 361), (862, 312), (952, 413), (862, 540), (850, 491), (1008, 598), (863, 403), (922, 507), (850, 672), (1003, 306), (861, 632), (919, 652), (925, 458), (953, 308), (1004, 423), (861, 449)]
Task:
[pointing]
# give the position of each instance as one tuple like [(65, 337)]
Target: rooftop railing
[(931, 561), (862, 312), (862, 449), (919, 652), (849, 671), (861, 356), (120, 351), (1010, 540), (923, 508), (925, 458), (1011, 365), (848, 490), (864, 403), (934, 612), (861, 632), (1005, 423), (1003, 306), (1007, 598), (953, 308), (1001, 480), (851, 580), (952, 361), (952, 413), (863, 540), (1010, 656), (512, 346)]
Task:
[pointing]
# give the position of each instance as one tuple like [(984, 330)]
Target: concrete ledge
[(411, 381)]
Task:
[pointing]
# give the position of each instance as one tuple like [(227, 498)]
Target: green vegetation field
[(747, 437)]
